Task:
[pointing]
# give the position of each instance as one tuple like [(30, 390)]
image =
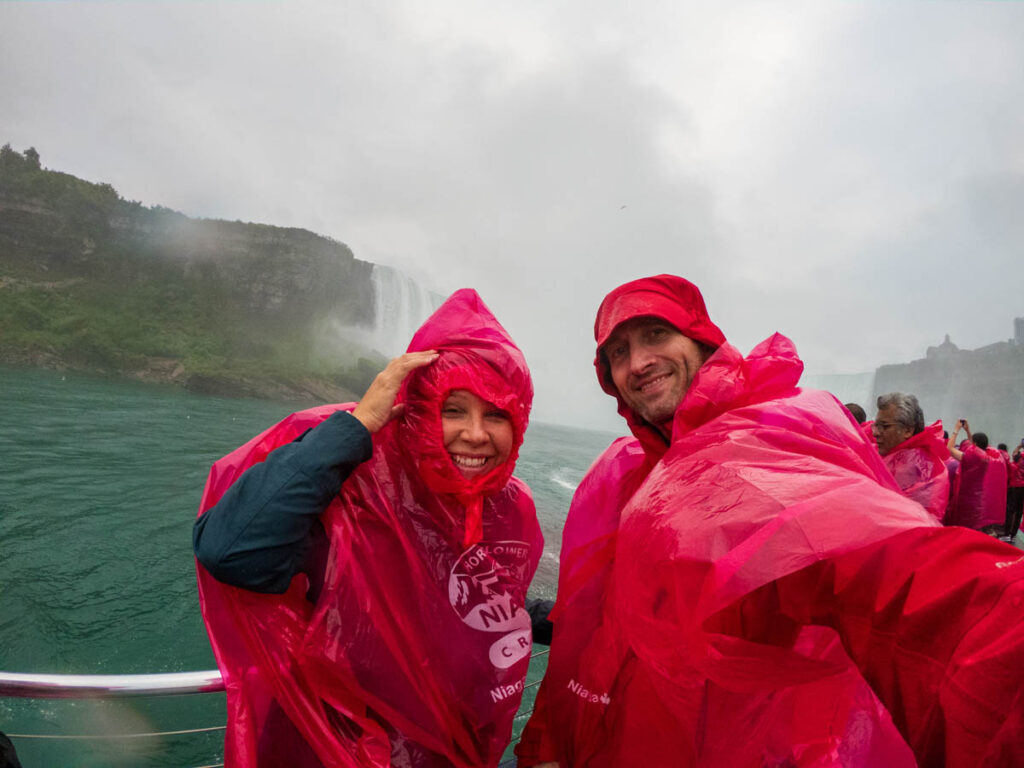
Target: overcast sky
[(850, 174)]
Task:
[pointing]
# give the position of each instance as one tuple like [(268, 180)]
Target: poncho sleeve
[(933, 620), (262, 531)]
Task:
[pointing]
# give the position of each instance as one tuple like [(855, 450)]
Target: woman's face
[(477, 434)]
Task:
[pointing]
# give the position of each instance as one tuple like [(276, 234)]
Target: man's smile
[(652, 384)]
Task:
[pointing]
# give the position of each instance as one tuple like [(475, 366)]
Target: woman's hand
[(378, 407)]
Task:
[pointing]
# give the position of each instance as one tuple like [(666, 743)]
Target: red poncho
[(996, 483), (918, 465), (979, 489), (420, 631), (768, 597), (1016, 470)]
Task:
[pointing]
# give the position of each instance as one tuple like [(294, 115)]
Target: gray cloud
[(849, 174)]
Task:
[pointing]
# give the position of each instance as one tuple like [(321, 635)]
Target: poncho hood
[(476, 354), (918, 465), (670, 298), (979, 488), (930, 440)]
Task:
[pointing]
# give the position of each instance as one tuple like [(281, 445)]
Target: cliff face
[(290, 274), (985, 386), (89, 280)]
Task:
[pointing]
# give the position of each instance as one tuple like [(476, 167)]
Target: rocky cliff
[(89, 280)]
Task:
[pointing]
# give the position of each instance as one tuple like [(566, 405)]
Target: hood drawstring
[(474, 521)]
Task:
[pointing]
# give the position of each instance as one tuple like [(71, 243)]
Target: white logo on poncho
[(487, 589)]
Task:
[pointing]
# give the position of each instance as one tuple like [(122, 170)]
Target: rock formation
[(89, 280)]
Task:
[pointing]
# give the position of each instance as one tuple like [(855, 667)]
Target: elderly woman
[(913, 453), (363, 568)]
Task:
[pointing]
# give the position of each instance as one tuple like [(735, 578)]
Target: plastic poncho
[(728, 606), (762, 574), (918, 465), (419, 635), (1016, 470), (979, 489), (996, 483), (756, 450), (589, 536)]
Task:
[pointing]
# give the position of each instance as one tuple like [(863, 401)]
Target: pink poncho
[(420, 632), (918, 465)]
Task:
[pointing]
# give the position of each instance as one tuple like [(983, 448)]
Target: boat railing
[(45, 686), (30, 686)]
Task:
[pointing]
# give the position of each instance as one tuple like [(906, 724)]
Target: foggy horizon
[(847, 174)]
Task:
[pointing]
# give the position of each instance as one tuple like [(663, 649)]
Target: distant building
[(945, 349), (984, 385)]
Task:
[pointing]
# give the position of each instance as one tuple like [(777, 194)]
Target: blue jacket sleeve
[(266, 527)]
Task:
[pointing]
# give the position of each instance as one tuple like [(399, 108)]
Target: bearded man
[(742, 582)]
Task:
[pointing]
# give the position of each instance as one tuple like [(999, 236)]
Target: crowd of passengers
[(963, 482), (752, 577)]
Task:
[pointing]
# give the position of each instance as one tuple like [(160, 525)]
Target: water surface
[(100, 483)]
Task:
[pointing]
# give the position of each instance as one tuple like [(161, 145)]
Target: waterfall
[(400, 307)]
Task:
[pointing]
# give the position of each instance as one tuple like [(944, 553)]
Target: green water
[(99, 484)]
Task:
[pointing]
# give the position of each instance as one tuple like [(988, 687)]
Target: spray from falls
[(400, 305), (847, 387)]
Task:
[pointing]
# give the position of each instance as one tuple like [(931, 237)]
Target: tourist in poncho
[(764, 596), (1015, 493), (914, 454), (394, 565), (980, 485)]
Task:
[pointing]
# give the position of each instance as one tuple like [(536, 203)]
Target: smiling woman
[(379, 534), (477, 434)]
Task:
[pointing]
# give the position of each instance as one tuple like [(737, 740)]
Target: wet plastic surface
[(918, 465)]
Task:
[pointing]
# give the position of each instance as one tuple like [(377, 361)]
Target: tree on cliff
[(13, 162), (32, 157)]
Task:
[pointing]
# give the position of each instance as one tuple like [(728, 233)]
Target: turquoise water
[(99, 486)]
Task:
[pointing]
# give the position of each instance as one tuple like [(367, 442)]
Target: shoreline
[(168, 371)]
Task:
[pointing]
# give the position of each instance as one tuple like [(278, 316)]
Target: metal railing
[(14, 684), (40, 686)]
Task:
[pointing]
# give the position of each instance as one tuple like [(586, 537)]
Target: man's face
[(652, 365), (887, 431)]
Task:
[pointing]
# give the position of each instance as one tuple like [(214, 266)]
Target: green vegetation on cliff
[(94, 282)]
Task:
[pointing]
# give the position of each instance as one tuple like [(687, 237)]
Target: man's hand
[(378, 407)]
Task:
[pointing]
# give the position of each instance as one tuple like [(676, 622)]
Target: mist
[(848, 174)]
